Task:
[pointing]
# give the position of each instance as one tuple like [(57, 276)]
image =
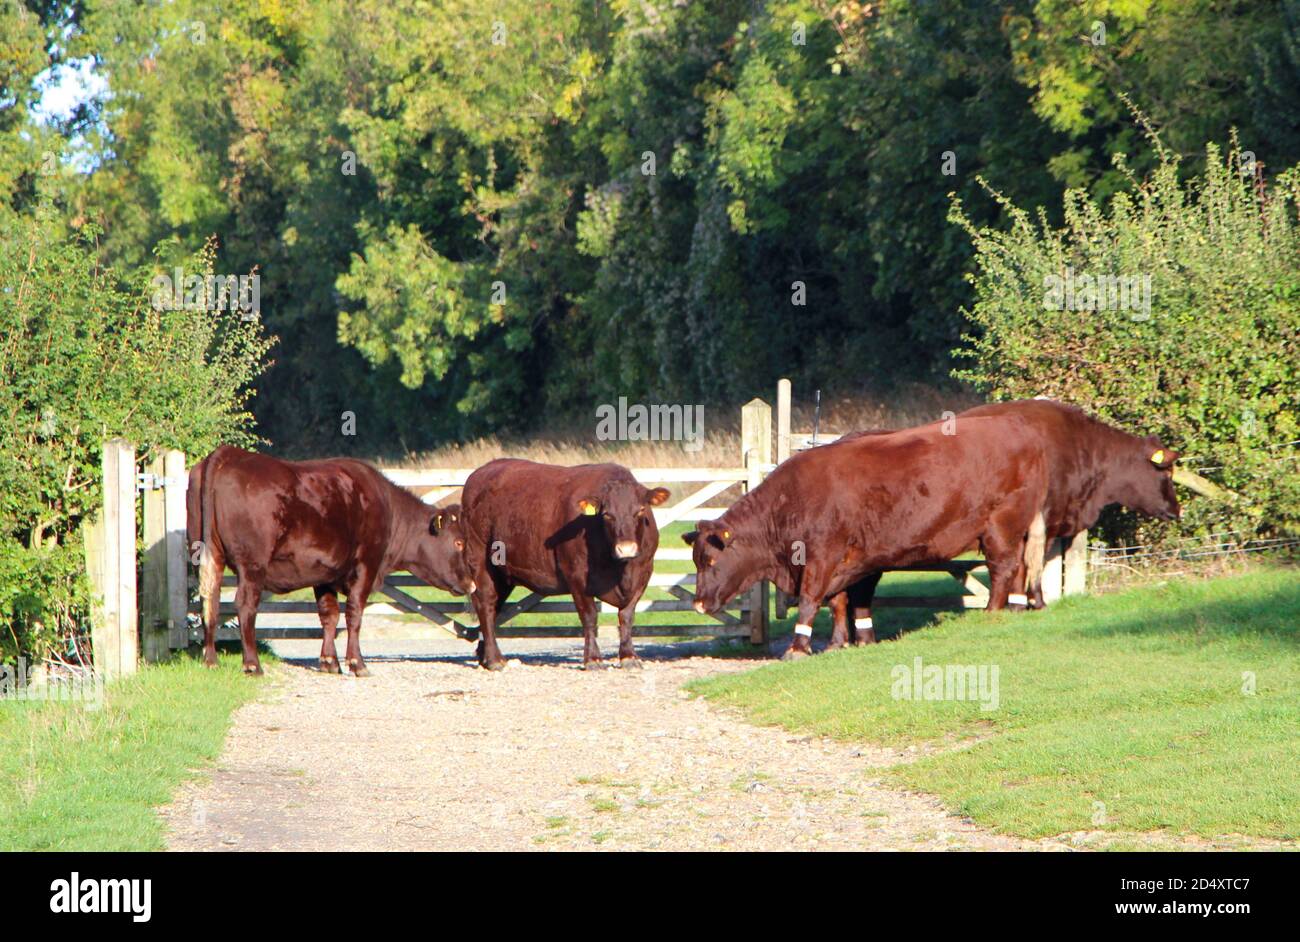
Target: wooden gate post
[(164, 592), (154, 639), (1075, 578), (780, 601), (782, 420), (756, 455), (178, 590), (114, 635)]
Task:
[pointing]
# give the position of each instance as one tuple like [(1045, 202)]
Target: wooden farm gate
[(154, 616), (744, 617)]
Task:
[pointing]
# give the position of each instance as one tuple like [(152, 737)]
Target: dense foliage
[(85, 358), (471, 216), (1209, 359)]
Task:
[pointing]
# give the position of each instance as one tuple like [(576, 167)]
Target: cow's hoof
[(209, 662), (498, 665), (596, 665), (358, 670), (630, 663), (794, 654), (254, 670), (1015, 608), (330, 665)]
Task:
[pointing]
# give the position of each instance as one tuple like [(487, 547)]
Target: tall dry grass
[(573, 440)]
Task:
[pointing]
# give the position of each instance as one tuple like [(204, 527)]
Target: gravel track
[(433, 753)]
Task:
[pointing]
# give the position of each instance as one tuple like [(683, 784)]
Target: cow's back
[(301, 522), (1076, 447), (529, 498), (532, 511), (915, 494)]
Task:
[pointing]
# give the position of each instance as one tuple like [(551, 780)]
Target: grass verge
[(1169, 708), (78, 778)]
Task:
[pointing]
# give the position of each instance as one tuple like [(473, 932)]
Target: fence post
[(1075, 577), (154, 639), (756, 454), (780, 601), (114, 636), (178, 591), (782, 420)]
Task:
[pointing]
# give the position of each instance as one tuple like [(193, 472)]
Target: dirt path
[(438, 754)]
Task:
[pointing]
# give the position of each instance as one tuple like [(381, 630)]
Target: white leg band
[(805, 630), (862, 624), (1015, 598)]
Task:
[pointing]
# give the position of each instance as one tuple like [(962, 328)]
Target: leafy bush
[(1212, 366), (84, 357)]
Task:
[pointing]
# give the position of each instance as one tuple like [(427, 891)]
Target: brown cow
[(1091, 465), (827, 517), (336, 525), (588, 531)]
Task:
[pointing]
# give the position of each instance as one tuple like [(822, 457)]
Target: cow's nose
[(699, 607), (625, 549)]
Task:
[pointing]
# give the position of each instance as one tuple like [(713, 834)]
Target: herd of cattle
[(823, 526)]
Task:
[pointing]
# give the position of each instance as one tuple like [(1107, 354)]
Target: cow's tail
[(201, 513), (1035, 553)]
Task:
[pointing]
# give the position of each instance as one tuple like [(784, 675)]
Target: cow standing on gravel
[(337, 526), (1090, 466), (588, 531), (827, 517)]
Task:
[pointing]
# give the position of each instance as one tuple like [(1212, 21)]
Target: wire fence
[(1228, 545)]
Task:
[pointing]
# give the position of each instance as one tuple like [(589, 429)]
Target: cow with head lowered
[(336, 526), (1090, 466), (588, 531), (826, 518)]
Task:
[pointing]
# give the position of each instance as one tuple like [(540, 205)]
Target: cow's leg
[(327, 607), (626, 653), (489, 597), (247, 597), (860, 595), (212, 567), (358, 593), (588, 608), (812, 589), (839, 606), (1017, 597), (1004, 548)]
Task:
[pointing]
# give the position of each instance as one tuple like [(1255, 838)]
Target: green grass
[(1121, 712), (77, 778)]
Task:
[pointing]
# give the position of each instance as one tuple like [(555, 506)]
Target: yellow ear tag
[(589, 510), (726, 534), (1158, 457)]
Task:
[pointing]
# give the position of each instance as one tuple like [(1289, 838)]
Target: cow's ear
[(588, 508), (657, 496), (690, 538), (1164, 458)]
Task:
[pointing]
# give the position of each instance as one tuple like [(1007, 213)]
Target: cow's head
[(441, 560), (1147, 480), (725, 564), (622, 509)]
